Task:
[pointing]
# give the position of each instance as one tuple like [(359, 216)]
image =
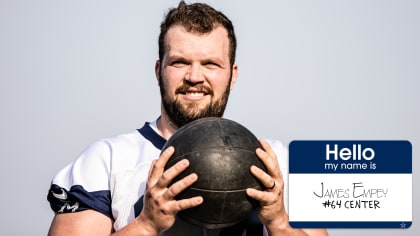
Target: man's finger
[(263, 177), (158, 166), (188, 203), (269, 159), (180, 186), (169, 174)]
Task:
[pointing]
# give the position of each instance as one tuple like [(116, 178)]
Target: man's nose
[(194, 74)]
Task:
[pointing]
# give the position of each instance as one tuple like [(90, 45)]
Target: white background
[(72, 72)]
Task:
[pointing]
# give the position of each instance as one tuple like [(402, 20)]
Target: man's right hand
[(160, 206)]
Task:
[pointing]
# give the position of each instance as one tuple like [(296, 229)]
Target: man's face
[(195, 75)]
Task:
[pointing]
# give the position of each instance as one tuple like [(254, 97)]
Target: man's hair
[(197, 18)]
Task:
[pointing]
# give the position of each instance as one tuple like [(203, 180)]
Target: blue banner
[(350, 156)]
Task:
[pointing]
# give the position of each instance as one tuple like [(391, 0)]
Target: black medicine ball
[(220, 152)]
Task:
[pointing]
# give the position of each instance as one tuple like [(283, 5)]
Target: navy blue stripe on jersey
[(138, 207), (152, 136), (78, 199)]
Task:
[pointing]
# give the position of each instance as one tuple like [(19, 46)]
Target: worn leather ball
[(220, 152)]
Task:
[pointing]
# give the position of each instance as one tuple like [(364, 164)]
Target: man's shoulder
[(135, 138), (131, 147), (128, 138), (107, 144)]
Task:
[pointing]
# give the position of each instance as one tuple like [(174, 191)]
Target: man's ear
[(234, 75), (157, 70)]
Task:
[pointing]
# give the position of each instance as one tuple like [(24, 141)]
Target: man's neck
[(165, 126)]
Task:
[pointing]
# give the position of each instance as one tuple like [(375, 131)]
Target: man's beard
[(180, 114)]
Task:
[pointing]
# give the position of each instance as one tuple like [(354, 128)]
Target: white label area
[(350, 197)]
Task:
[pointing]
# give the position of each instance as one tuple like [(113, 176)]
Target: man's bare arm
[(87, 222)]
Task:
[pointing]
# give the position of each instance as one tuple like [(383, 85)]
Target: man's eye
[(179, 63), (211, 65)]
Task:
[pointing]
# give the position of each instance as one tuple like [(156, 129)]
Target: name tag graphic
[(350, 184)]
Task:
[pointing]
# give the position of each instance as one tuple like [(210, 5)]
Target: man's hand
[(272, 212), (271, 209), (160, 207)]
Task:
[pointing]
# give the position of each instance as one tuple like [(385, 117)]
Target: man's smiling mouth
[(195, 94), (197, 91)]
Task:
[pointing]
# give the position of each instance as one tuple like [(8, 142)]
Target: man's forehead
[(181, 31)]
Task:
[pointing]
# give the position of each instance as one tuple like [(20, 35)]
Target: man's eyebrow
[(177, 58), (210, 59)]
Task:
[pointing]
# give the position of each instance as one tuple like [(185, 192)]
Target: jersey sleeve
[(84, 183)]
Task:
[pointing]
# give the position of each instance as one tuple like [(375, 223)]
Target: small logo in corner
[(61, 196)]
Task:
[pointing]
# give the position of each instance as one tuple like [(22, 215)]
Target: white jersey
[(110, 177)]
